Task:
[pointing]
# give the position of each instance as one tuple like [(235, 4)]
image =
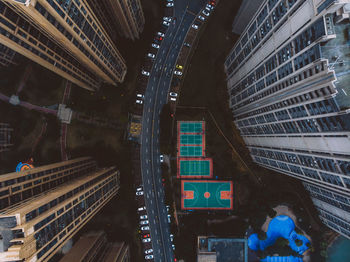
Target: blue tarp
[(282, 259), (280, 226)]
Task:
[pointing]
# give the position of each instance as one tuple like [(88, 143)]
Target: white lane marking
[(147, 138), (147, 171), (146, 150)]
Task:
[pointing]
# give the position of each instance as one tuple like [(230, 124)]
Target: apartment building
[(5, 131), (94, 247), (287, 78), (8, 56), (36, 228), (63, 36)]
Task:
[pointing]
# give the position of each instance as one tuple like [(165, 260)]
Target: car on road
[(139, 102), (173, 246), (187, 44), (167, 18), (166, 23), (144, 222), (161, 158), (206, 13), (169, 220), (145, 228), (178, 73), (144, 217), (149, 257), (150, 55), (155, 46), (149, 251), (173, 94), (172, 99), (139, 193), (141, 208), (146, 240), (167, 208), (194, 26), (160, 34), (145, 73), (171, 1), (179, 66), (201, 17), (170, 4), (171, 237)]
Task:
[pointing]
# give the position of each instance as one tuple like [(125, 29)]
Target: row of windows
[(319, 191), (306, 38), (325, 164)]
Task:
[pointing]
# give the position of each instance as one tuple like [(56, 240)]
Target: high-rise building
[(124, 15), (5, 134), (35, 228), (8, 56), (287, 79), (63, 36), (244, 15), (94, 247)]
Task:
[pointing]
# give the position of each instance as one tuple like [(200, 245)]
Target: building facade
[(287, 79), (124, 16), (94, 247), (5, 132), (8, 56), (36, 228), (63, 36)]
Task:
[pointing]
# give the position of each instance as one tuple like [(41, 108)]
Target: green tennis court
[(191, 127), (195, 167), (205, 194), (189, 151), (191, 139)]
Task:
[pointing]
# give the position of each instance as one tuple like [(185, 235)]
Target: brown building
[(93, 247), (35, 228), (7, 57), (5, 131), (65, 37), (124, 15)]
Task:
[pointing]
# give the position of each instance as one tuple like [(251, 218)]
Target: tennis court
[(206, 194), (191, 139), (194, 168), (191, 151), (191, 127)]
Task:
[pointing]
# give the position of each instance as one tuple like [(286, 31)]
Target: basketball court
[(206, 194), (194, 168)]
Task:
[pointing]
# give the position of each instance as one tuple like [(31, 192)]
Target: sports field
[(191, 151), (190, 138), (194, 168), (191, 127), (206, 194)]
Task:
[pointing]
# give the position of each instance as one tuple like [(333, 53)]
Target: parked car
[(194, 26), (145, 73), (206, 13), (201, 17), (150, 55), (149, 257), (171, 237), (146, 240), (155, 45), (139, 193), (187, 44), (169, 220), (144, 222), (173, 246), (161, 158), (211, 7), (160, 34), (173, 94), (179, 66), (149, 251), (144, 217), (139, 188), (176, 72), (169, 4), (166, 23), (139, 101), (144, 228), (141, 208), (167, 18), (172, 99)]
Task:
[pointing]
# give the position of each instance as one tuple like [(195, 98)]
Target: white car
[(194, 26), (145, 73), (173, 246), (141, 208), (166, 23), (172, 99), (210, 6), (201, 17), (139, 102), (139, 193), (150, 55), (167, 208), (170, 4), (161, 158), (167, 18), (169, 221), (208, 9), (144, 228), (171, 237), (160, 34), (144, 217), (178, 73), (173, 94), (149, 257), (155, 45), (149, 251), (139, 188), (146, 240), (205, 13), (144, 222)]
